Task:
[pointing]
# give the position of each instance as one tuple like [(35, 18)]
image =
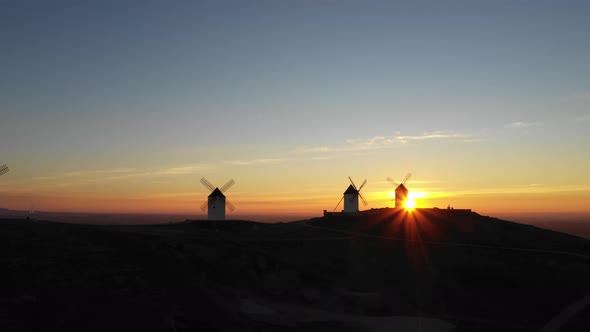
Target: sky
[(122, 106)]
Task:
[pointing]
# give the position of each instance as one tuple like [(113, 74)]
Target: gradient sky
[(122, 106)]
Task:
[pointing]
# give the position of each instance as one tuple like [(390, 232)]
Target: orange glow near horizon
[(170, 192), (285, 203)]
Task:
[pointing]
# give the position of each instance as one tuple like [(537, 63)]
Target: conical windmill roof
[(401, 187), (351, 191), (216, 193)]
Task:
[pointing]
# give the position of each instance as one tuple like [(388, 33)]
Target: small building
[(401, 195), (351, 199), (216, 205)]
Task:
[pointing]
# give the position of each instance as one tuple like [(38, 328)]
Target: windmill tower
[(216, 201), (401, 192), (4, 169), (351, 197)]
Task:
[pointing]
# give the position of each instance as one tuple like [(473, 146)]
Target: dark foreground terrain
[(423, 271)]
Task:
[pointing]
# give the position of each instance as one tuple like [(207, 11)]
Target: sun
[(410, 203)]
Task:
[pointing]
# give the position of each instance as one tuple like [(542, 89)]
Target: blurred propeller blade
[(207, 184), (230, 206), (362, 185), (204, 206), (227, 185), (363, 200), (392, 181), (340, 201), (353, 185), (4, 169), (408, 176)]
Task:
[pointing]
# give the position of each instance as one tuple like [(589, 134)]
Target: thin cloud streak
[(431, 136), (381, 142), (120, 173), (520, 124), (176, 195), (305, 149), (85, 173), (182, 170)]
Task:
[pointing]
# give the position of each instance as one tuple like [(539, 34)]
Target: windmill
[(351, 197), (4, 169), (401, 192), (216, 202)]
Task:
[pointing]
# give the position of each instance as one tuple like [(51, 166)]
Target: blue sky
[(102, 85)]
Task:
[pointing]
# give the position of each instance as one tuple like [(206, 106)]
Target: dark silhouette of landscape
[(414, 270)]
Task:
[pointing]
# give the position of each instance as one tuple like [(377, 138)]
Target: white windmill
[(351, 197), (216, 202), (401, 192), (4, 169)]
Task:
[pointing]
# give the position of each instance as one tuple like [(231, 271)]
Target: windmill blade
[(230, 206), (363, 200), (408, 176), (353, 185), (207, 184), (340, 201), (362, 185), (4, 169), (204, 206), (227, 185), (395, 184)]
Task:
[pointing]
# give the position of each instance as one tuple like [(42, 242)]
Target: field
[(432, 269)]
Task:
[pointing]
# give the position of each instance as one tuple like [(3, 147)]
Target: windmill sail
[(217, 203), (4, 169), (352, 195)]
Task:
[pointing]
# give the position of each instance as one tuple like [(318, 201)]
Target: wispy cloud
[(323, 152), (181, 170), (259, 161), (121, 173), (380, 142), (322, 158), (311, 149), (86, 173), (175, 195), (438, 135), (583, 118), (383, 141), (520, 124)]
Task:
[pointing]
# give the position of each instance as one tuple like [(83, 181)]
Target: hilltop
[(457, 271), (446, 226)]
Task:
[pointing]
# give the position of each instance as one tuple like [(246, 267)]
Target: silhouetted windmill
[(4, 169), (351, 197), (216, 202), (401, 192)]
